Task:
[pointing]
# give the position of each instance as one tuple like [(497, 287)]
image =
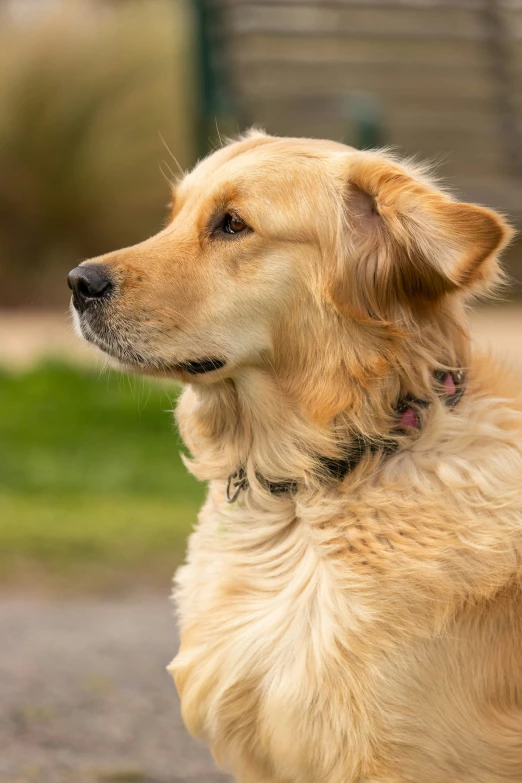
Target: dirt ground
[(85, 697)]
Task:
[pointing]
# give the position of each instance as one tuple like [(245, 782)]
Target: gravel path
[(85, 697)]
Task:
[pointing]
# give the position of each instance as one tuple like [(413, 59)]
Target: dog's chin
[(204, 370), (191, 371), (131, 359)]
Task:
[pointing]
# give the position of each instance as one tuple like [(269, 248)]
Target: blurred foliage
[(90, 472), (86, 95)]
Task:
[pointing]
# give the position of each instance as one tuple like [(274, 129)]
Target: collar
[(450, 387)]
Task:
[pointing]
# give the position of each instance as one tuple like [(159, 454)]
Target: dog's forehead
[(221, 164), (264, 161)]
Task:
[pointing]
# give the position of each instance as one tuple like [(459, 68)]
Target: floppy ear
[(412, 241)]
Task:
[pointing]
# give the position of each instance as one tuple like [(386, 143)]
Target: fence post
[(501, 69), (216, 100)]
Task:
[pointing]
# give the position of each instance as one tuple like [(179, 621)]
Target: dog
[(350, 607)]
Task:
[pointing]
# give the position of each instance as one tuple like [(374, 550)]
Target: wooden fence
[(440, 79)]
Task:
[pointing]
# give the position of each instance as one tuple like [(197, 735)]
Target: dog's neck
[(250, 422), (275, 420)]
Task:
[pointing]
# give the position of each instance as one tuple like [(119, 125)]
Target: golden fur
[(368, 631)]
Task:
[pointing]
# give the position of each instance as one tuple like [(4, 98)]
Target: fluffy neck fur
[(338, 380)]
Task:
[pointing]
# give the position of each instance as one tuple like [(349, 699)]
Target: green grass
[(90, 473)]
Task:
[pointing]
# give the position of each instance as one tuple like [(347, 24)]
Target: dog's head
[(279, 249)]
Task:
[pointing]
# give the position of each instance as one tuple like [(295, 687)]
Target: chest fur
[(264, 623)]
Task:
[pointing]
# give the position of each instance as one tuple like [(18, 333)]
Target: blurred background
[(102, 103)]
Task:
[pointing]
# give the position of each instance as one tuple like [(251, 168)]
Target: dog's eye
[(233, 224)]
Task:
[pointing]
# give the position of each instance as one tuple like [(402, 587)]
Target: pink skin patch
[(449, 385), (409, 419)]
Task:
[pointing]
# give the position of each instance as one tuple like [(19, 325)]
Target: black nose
[(88, 282)]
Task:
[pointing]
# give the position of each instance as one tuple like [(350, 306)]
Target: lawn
[(92, 487)]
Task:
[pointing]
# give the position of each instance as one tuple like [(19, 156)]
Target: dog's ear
[(409, 240)]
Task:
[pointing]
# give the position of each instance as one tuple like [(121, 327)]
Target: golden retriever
[(350, 608)]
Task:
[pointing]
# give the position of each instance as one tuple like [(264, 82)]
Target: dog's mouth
[(201, 366), (120, 346)]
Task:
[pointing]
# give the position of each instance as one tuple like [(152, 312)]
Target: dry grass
[(84, 95)]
